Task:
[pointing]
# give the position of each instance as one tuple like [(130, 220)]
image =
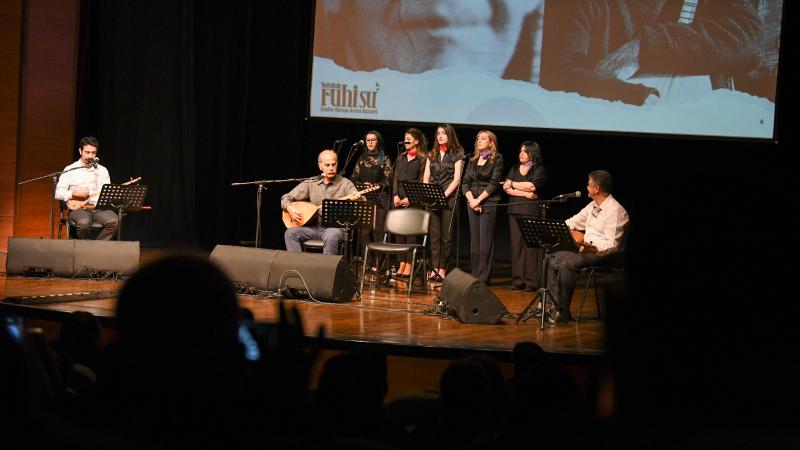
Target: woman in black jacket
[(482, 186)]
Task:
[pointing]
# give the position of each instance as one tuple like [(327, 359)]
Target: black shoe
[(557, 317), (517, 287), (530, 288)]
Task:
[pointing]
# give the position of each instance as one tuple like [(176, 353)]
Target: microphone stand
[(337, 146), (350, 155), (457, 211), (55, 176), (261, 188)]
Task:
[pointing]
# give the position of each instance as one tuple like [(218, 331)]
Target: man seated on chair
[(81, 182), (598, 228), (329, 185)]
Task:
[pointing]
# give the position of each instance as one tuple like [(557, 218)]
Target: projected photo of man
[(642, 51), (414, 36)]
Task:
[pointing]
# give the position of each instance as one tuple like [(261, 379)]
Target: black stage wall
[(195, 95)]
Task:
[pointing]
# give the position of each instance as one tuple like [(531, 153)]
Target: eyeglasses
[(372, 140)]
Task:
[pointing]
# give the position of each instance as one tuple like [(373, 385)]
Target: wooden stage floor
[(389, 319)]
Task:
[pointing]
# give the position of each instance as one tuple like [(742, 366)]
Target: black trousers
[(481, 239), (524, 259), (562, 274), (441, 237)]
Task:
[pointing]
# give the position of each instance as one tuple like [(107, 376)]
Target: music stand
[(123, 198), (550, 235), (429, 195), (348, 214), (372, 197)]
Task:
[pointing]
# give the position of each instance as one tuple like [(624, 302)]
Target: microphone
[(570, 195), (339, 141), (403, 143), (359, 143), (94, 161)]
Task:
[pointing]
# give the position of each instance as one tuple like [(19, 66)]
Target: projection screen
[(678, 67)]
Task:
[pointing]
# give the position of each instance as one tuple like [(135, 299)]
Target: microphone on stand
[(359, 143), (94, 162), (337, 146), (403, 142), (566, 196)]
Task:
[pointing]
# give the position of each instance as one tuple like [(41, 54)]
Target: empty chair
[(401, 222)]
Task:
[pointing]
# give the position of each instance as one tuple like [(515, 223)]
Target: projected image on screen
[(689, 67)]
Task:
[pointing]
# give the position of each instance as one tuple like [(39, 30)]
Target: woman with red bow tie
[(443, 168)]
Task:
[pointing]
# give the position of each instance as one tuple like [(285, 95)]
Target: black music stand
[(123, 198), (348, 214), (372, 197), (431, 196), (550, 235)]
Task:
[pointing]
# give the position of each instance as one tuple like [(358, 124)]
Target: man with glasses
[(598, 227)]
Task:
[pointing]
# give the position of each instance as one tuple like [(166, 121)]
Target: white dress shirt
[(89, 178), (602, 224)]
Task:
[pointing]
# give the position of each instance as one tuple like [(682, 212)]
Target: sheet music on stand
[(429, 195), (553, 235), (130, 197), (347, 214), (372, 197)]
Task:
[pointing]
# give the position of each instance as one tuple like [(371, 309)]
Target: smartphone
[(14, 327), (257, 338)]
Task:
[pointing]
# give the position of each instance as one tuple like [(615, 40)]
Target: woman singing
[(481, 187), (374, 167), (523, 185), (410, 165), (443, 168)]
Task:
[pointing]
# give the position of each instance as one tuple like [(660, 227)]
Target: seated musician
[(80, 185), (304, 226), (598, 227)]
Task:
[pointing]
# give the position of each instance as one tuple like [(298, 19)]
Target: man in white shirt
[(82, 181), (598, 228)]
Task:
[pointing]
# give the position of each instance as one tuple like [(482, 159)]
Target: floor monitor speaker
[(28, 256), (71, 257), (297, 275), (470, 300), (120, 257)]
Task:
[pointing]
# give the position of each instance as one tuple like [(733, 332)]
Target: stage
[(388, 319)]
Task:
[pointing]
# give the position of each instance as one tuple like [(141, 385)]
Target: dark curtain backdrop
[(194, 95)]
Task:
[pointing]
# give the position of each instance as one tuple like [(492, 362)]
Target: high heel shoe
[(434, 276)]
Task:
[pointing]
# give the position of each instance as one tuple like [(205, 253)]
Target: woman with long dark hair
[(481, 185), (443, 168), (374, 167), (523, 185), (409, 167)]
